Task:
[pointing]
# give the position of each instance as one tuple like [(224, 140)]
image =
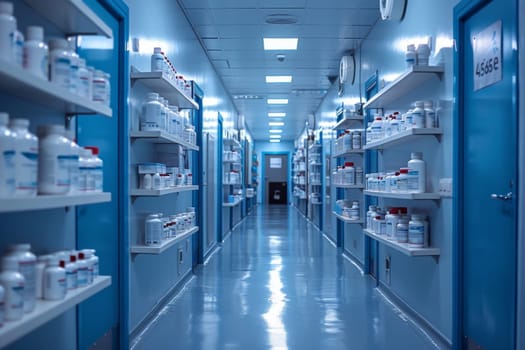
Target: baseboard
[(419, 321)]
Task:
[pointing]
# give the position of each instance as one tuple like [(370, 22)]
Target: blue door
[(486, 174)]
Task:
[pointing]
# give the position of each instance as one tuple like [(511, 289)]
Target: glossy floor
[(276, 283)]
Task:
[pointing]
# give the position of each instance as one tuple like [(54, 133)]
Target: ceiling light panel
[(276, 131), (275, 136), (276, 124), (276, 114), (280, 43), (277, 101), (278, 78), (275, 140)]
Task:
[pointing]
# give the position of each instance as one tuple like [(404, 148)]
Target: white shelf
[(348, 220), (403, 136), (165, 191), (45, 311), (72, 17), (348, 153), (316, 163), (17, 81), (404, 84), (52, 201), (231, 162), (411, 196), (345, 123), (159, 82), (232, 142), (315, 184), (162, 137), (349, 186), (403, 247), (234, 204), (166, 244)]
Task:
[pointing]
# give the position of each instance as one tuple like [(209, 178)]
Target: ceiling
[(232, 32)]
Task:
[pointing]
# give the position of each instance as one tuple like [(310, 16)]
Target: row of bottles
[(410, 179), (160, 227)]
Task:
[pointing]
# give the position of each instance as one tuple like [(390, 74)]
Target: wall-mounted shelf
[(72, 17), (166, 244), (232, 142), (46, 310), (345, 123), (403, 247), (403, 85), (349, 186), (162, 137), (410, 196), (348, 220), (348, 153), (165, 191), (17, 81), (159, 82), (52, 201), (234, 204), (403, 136)]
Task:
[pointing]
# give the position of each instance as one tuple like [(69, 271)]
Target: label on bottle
[(71, 278), (416, 234), (99, 90), (60, 71), (62, 178), (82, 277), (402, 233), (97, 175), (28, 270), (26, 163), (7, 173), (413, 180)]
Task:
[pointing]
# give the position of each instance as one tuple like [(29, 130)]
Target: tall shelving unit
[(315, 185), (40, 97), (233, 181), (299, 179)]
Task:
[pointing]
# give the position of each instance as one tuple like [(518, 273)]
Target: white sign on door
[(276, 163), (486, 47)]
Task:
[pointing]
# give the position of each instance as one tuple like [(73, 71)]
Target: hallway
[(277, 283)]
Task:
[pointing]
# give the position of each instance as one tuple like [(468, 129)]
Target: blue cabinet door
[(487, 166)]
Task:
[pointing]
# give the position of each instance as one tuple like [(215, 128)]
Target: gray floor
[(276, 283)]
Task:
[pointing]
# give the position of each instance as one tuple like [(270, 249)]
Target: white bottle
[(153, 230), (85, 78), (94, 261), (86, 181), (157, 60), (59, 63), (430, 115), (107, 78), (402, 181), (355, 212), (53, 166), (370, 214), (74, 82), (417, 173), (356, 139), (392, 219), (423, 53), (377, 129), (41, 264), (7, 158), (73, 163), (418, 115), (100, 87), (349, 174), (27, 267), (71, 268), (410, 56), (151, 113), (418, 231), (90, 261), (394, 125), (156, 183), (358, 175), (55, 286), (347, 141), (7, 32), (36, 52), (83, 270), (26, 158), (146, 183), (97, 170), (402, 231), (13, 283)]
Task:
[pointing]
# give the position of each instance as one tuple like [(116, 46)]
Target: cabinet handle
[(503, 197)]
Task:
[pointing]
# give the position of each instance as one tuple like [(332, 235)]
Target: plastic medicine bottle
[(26, 158), (97, 169), (417, 173), (418, 231), (55, 286), (410, 56), (153, 230), (7, 31), (430, 115), (59, 63), (7, 158), (83, 270), (36, 52), (151, 113), (53, 166), (27, 267), (157, 60), (13, 283), (423, 54), (418, 115), (86, 182)]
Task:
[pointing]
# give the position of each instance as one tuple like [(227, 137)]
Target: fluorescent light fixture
[(275, 140), (276, 131), (277, 101), (278, 78), (275, 136), (276, 114), (276, 124), (280, 43)]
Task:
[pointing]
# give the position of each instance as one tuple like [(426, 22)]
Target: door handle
[(503, 197)]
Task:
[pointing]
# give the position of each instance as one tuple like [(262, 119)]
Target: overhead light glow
[(277, 101), (275, 140), (276, 124), (280, 43), (276, 131), (278, 78), (275, 136), (276, 114)]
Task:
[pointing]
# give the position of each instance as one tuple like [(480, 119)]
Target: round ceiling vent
[(281, 19)]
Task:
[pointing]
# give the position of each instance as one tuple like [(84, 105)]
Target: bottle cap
[(51, 129), (35, 33), (94, 150), (419, 103), (6, 7), (157, 50), (153, 96), (403, 171), (58, 44)]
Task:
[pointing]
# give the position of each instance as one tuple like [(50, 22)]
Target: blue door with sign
[(486, 174)]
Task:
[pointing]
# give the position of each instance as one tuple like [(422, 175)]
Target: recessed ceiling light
[(275, 136), (276, 124), (278, 78), (281, 19), (280, 43), (276, 114), (276, 131), (275, 140), (277, 101)]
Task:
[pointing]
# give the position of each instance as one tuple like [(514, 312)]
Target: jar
[(418, 231), (26, 158), (392, 219), (53, 165), (36, 52), (13, 283), (402, 181), (358, 176), (27, 267), (153, 230), (100, 87), (356, 139), (349, 174), (416, 180), (410, 56), (402, 231), (355, 211), (418, 115), (370, 214), (151, 113), (7, 31), (59, 63), (423, 54), (157, 60), (430, 115), (377, 129)]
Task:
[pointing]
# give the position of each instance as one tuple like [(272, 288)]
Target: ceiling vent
[(281, 19)]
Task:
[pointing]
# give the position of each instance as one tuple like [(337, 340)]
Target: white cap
[(58, 44), (157, 50), (429, 103), (6, 7), (153, 96), (35, 33), (416, 155), (411, 47), (10, 263), (419, 103), (4, 118), (19, 123), (51, 129)]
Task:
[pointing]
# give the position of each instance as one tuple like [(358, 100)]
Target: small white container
[(13, 283), (7, 158), (7, 32), (41, 264), (418, 115), (83, 270), (101, 87), (73, 164), (416, 173), (36, 53), (26, 158), (151, 113), (402, 181), (153, 230), (392, 219), (55, 286), (88, 258), (349, 174), (19, 48), (93, 262), (430, 115), (156, 182), (402, 231), (27, 267), (410, 56), (97, 169), (53, 165), (423, 54), (147, 182), (157, 60), (418, 231), (71, 267), (85, 78), (86, 181), (60, 63)]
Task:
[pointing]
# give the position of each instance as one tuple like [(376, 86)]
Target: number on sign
[(487, 66)]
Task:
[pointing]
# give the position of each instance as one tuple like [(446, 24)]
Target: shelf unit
[(234, 204), (408, 196), (403, 85), (46, 310), (52, 201), (403, 247), (348, 153), (167, 88), (348, 220), (166, 244), (359, 187), (137, 192), (346, 122), (162, 137), (313, 178), (402, 137)]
